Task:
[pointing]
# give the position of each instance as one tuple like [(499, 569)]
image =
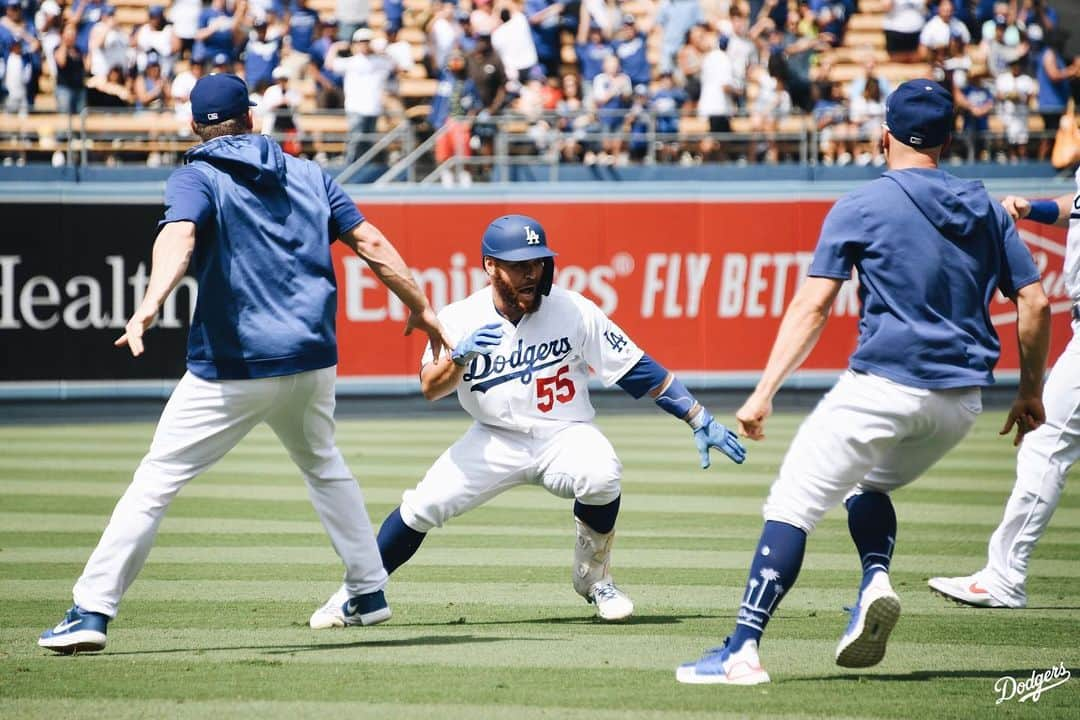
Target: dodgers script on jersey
[(538, 376)]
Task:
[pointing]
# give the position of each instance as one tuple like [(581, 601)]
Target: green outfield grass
[(485, 622)]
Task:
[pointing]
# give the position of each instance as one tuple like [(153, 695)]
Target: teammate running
[(521, 369), (931, 250), (1046, 453)]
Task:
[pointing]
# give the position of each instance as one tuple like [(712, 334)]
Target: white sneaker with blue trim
[(872, 620), (723, 666)]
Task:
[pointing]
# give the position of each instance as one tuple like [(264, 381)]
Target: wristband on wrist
[(700, 419), (1044, 211)]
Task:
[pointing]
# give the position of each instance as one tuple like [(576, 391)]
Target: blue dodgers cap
[(920, 114), (219, 97)]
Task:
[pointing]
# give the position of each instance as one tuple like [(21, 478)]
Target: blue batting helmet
[(519, 237)]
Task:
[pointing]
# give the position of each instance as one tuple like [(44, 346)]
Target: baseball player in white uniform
[(256, 226), (520, 367), (931, 251), (1046, 453)]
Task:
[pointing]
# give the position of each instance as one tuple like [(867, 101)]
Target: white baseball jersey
[(537, 378), (1072, 247)]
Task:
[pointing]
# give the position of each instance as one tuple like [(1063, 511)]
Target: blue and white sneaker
[(343, 609), (872, 619), (79, 631), (722, 666)]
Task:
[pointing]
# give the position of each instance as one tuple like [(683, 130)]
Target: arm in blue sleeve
[(650, 377), (344, 215), (188, 196)]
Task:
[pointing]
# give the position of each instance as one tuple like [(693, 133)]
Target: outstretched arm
[(172, 253), (798, 334), (1047, 212), (383, 258), (648, 377)]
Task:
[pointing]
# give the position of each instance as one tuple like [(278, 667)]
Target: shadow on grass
[(914, 676), (283, 649), (590, 620)]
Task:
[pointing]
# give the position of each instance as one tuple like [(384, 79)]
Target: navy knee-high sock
[(397, 541), (773, 572), (600, 518), (872, 523)]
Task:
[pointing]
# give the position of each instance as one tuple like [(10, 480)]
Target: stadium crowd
[(591, 80)]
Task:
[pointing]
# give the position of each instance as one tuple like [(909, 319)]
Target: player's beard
[(510, 297)]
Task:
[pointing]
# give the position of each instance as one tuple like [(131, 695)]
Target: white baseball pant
[(867, 433), (576, 461), (202, 421), (1042, 464)]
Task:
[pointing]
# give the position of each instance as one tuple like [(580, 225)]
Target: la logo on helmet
[(531, 236)]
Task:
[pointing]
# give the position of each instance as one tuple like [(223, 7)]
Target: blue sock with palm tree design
[(775, 568)]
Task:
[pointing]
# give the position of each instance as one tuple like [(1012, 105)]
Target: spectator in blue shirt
[(219, 32), (303, 23), (976, 102), (591, 48), (666, 103), (261, 55), (632, 48), (329, 86), (545, 18), (85, 14)]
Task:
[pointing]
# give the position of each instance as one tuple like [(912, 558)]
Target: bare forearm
[(1032, 338), (172, 253), (384, 260), (439, 379), (1065, 209), (799, 332)]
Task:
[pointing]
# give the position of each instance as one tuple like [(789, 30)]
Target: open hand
[(714, 435), (1026, 413), (133, 332), (429, 323)]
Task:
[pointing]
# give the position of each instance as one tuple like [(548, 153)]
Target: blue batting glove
[(714, 435), (481, 342)]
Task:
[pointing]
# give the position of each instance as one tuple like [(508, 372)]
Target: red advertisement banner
[(701, 285)]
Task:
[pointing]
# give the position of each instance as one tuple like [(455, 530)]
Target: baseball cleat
[(79, 631), (342, 610), (872, 619), (611, 602), (965, 590), (722, 666)]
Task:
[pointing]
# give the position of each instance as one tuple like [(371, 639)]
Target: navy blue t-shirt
[(264, 222), (634, 58), (591, 58), (931, 250), (302, 24)]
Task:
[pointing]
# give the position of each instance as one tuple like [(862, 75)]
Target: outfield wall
[(699, 278)]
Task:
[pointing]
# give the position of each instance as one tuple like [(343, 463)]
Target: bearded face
[(523, 296)]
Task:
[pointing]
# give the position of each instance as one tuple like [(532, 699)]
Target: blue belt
[(1076, 312)]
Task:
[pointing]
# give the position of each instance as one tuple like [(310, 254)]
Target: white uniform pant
[(1044, 460), (576, 461), (866, 434), (202, 421)]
